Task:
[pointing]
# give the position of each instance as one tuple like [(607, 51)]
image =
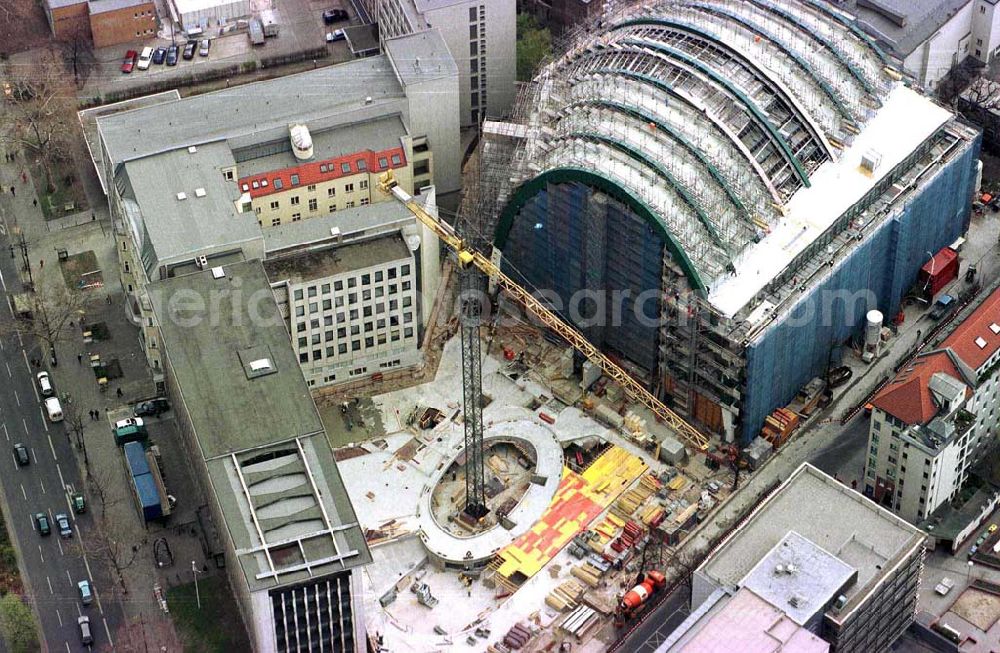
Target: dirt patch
[(65, 196), (978, 608), (81, 271), (22, 26), (347, 453)]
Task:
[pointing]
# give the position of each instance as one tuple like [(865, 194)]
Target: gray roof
[(421, 57), (250, 109), (921, 18), (270, 464), (102, 6), (799, 578), (424, 5), (336, 260), (175, 228), (208, 351), (831, 516), (58, 4), (337, 140), (381, 215)]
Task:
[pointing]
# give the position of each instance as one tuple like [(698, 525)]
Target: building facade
[(736, 252), (843, 568), (481, 37), (206, 193), (933, 423), (102, 22)]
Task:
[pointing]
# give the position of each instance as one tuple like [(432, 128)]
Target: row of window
[(352, 282), (352, 298), (361, 165), (320, 353)]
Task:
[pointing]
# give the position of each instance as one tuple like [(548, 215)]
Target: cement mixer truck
[(632, 603)]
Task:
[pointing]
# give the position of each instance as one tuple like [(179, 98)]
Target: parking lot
[(300, 28)]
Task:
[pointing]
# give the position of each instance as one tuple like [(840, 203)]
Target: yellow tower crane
[(466, 256)]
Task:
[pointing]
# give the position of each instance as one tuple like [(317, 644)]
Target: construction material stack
[(779, 426)]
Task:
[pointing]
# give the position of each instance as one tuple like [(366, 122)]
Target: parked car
[(86, 637), (62, 521), (21, 455), (189, 49), (159, 55), (335, 35), (44, 384), (172, 55), (54, 409), (145, 58), (943, 306), (42, 521), (86, 592), (839, 376), (331, 16), (128, 421), (151, 407), (206, 44), (78, 502), (128, 63)]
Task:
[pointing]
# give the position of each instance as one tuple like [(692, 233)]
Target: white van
[(145, 58), (54, 409)]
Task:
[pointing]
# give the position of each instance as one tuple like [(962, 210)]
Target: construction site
[(719, 202)]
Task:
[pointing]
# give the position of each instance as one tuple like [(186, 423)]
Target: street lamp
[(197, 594), (968, 577)]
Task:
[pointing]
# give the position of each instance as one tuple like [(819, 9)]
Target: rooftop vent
[(870, 161), (981, 343), (302, 144), (201, 262), (199, 192), (181, 196), (261, 364), (218, 272), (368, 100), (840, 602), (335, 232), (192, 149)]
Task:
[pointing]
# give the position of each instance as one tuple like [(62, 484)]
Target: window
[(352, 297), (278, 184), (408, 317), (408, 332), (361, 164), (315, 338), (295, 200), (295, 180), (407, 301), (355, 329), (354, 313), (228, 176), (474, 66), (379, 291), (349, 205), (304, 357), (979, 41), (300, 311), (333, 208), (274, 205), (475, 99), (366, 279), (380, 324), (472, 14), (325, 289), (301, 327), (275, 221), (331, 192), (369, 326), (395, 335), (474, 48), (338, 285), (348, 188), (302, 342), (982, 9), (342, 348), (313, 204), (979, 52), (322, 167), (328, 336), (329, 352), (421, 168), (473, 31), (396, 160), (392, 273), (368, 311), (363, 184), (327, 304), (383, 162), (298, 294), (314, 324), (311, 188), (405, 285), (296, 217), (317, 354), (342, 332), (378, 276), (351, 283), (369, 341), (355, 345), (345, 167), (364, 201)]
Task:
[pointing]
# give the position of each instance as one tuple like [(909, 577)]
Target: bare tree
[(38, 113), (50, 316), (103, 544), (74, 425), (98, 482)]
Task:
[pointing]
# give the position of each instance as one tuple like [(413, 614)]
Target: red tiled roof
[(908, 397), (315, 172), (963, 341)]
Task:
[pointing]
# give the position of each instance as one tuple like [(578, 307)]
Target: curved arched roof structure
[(703, 116)]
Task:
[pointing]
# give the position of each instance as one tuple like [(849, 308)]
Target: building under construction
[(733, 184)]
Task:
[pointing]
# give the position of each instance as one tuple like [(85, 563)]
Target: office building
[(820, 567)]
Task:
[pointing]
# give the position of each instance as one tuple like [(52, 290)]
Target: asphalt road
[(53, 565), (844, 457)]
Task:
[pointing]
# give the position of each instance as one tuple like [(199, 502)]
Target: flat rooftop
[(375, 135), (250, 108), (839, 520), (799, 578), (351, 222), (271, 466), (205, 217), (903, 24), (191, 6), (904, 121), (337, 259), (213, 331), (748, 624), (421, 57)]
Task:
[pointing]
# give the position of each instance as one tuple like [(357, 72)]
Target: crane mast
[(469, 258)]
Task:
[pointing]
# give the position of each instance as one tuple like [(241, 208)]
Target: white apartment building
[(932, 423), (356, 290), (482, 38)]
